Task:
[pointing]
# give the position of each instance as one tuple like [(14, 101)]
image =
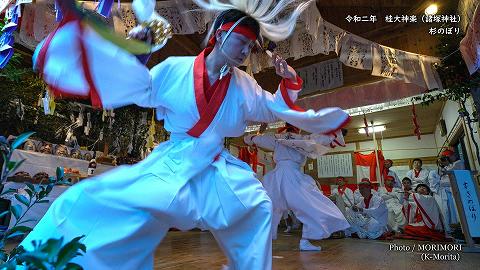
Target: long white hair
[(265, 12)]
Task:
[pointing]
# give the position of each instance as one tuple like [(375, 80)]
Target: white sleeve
[(379, 209), (266, 141), (266, 107), (410, 175), (98, 69), (433, 181)]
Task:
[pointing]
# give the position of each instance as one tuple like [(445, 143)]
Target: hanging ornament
[(46, 103), (416, 126), (69, 136), (130, 147), (88, 126), (39, 101), (100, 136), (116, 146), (80, 117), (20, 108), (104, 114), (110, 123), (366, 124)]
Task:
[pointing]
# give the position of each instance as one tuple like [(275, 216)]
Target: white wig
[(265, 12)]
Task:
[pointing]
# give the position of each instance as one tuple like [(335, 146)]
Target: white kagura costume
[(290, 189), (344, 198), (393, 198), (372, 222), (418, 177), (189, 181), (442, 191)]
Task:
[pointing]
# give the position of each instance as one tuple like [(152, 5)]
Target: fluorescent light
[(371, 129), (431, 9)]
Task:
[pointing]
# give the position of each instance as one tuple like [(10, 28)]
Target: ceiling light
[(431, 9), (371, 129)]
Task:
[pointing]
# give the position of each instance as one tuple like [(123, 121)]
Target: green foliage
[(49, 255), (7, 150), (456, 80)]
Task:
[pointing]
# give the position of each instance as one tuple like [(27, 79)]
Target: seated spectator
[(368, 219), (418, 175), (423, 216), (393, 198), (407, 184), (387, 164), (342, 195)]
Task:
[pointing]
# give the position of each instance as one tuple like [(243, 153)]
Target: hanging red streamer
[(416, 127), (366, 124)]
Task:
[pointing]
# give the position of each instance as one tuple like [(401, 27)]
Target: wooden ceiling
[(398, 122)]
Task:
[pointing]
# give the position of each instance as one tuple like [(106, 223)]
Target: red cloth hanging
[(368, 161), (366, 124), (416, 126)]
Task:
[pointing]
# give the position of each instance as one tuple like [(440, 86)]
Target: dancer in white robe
[(290, 189), (368, 219), (393, 198), (418, 175), (191, 180), (439, 183)]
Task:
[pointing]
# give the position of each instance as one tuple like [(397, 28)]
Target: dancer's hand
[(141, 33), (282, 68)]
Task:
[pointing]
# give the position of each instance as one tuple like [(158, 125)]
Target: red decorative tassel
[(366, 124), (416, 127)]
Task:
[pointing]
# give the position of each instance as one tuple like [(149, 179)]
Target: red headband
[(240, 29), (447, 153)]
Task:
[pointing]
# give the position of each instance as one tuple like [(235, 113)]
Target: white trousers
[(125, 213)]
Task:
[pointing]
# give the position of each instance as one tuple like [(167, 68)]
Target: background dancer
[(290, 189)]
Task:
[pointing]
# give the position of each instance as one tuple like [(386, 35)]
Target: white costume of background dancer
[(290, 189), (368, 219), (393, 198), (439, 183), (189, 181), (343, 195)]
